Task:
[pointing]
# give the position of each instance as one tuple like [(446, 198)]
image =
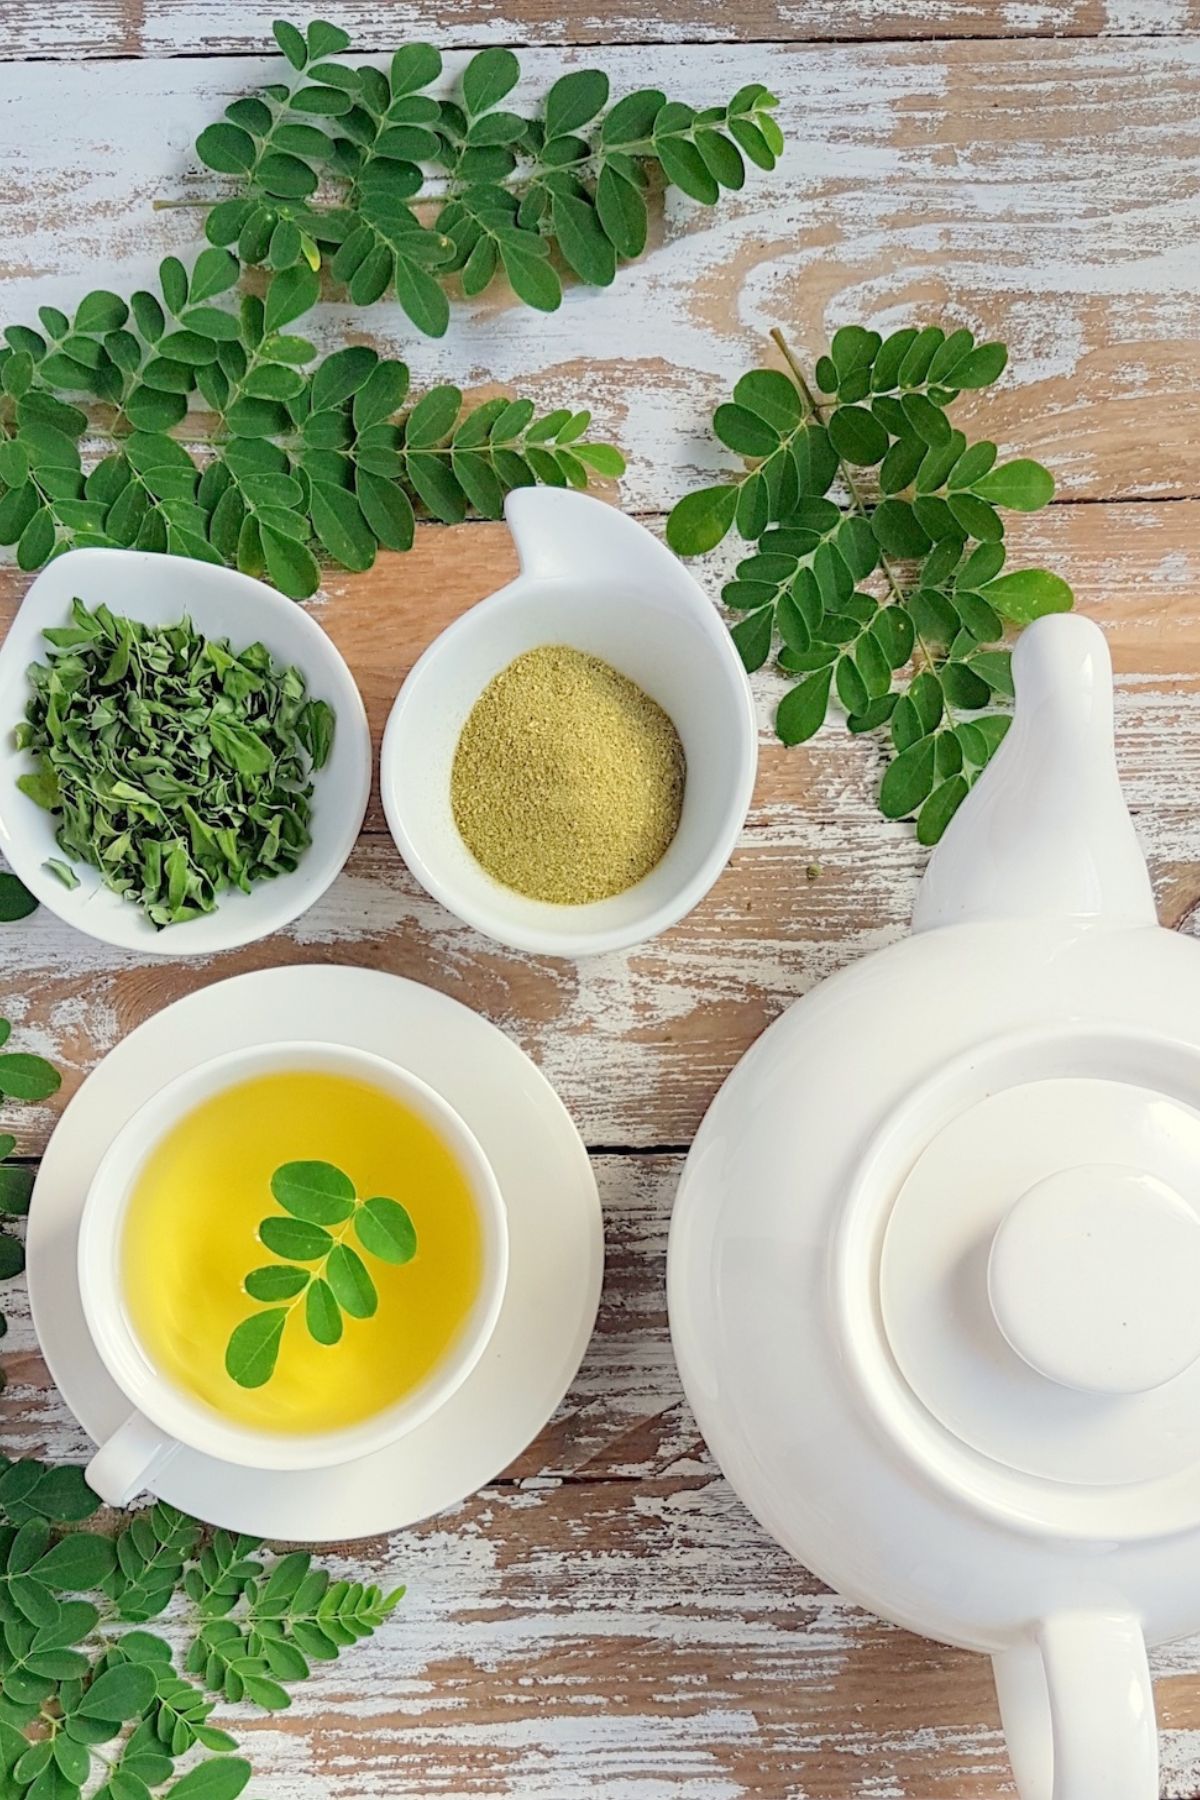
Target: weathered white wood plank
[(638, 1042), (206, 27), (610, 1622), (1044, 192)]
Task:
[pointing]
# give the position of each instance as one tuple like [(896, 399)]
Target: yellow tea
[(190, 1238)]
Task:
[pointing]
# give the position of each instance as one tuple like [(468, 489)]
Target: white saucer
[(555, 1238)]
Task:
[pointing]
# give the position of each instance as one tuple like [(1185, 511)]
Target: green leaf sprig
[(329, 166), (320, 1207), (228, 439), (296, 456), (298, 1615), (923, 656), (178, 767)]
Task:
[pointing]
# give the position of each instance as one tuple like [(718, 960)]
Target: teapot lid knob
[(1092, 1279)]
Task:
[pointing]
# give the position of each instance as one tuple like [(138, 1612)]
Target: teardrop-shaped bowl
[(598, 581)]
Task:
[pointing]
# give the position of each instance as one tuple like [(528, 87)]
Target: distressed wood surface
[(1047, 193), (606, 1620), (637, 1043), (608, 1623), (161, 28)]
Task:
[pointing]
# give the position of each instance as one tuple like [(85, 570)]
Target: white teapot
[(934, 1272)]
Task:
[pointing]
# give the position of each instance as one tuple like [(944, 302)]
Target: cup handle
[(1078, 1710), (126, 1461)]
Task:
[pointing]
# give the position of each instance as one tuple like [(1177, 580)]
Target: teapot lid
[(1039, 1264), (934, 1295), (1041, 1256)]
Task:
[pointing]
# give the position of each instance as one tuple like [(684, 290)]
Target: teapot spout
[(1045, 832)]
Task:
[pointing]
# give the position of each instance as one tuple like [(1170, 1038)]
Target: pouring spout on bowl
[(1046, 832), (563, 536)]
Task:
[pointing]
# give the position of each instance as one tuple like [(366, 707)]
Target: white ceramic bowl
[(597, 580), (164, 1415), (159, 590)]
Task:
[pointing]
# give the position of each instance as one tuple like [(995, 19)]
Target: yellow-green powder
[(567, 782)]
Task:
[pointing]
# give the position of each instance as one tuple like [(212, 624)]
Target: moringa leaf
[(82, 1559), (857, 435), (349, 1282), (226, 148), (290, 295), (220, 1778), (27, 1077), (530, 275), (253, 1348), (16, 1186), (315, 1191), (276, 1281), (699, 521), (940, 807), (1024, 485), (16, 901), (385, 1228), (908, 780), (487, 78), (119, 1693), (801, 712), (291, 565), (296, 1239), (322, 1313), (574, 100), (1027, 594), (339, 524)]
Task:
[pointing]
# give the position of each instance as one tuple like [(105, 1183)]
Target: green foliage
[(16, 901), (303, 457), (25, 1077), (297, 1616), (150, 1555), (57, 1493), (320, 1208), (885, 590), (177, 767), (222, 1572), (72, 1680), (326, 170)]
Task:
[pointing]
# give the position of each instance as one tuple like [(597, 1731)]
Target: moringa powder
[(567, 782)]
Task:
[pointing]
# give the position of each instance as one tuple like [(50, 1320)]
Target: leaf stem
[(437, 187), (855, 492), (318, 1271), (856, 496)]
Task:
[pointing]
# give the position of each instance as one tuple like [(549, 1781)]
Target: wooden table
[(606, 1620)]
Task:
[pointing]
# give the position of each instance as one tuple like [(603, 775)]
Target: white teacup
[(163, 1417)]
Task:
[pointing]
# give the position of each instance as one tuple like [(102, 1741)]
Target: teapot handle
[(1078, 1710)]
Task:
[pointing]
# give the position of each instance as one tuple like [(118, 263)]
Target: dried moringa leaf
[(178, 767)]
